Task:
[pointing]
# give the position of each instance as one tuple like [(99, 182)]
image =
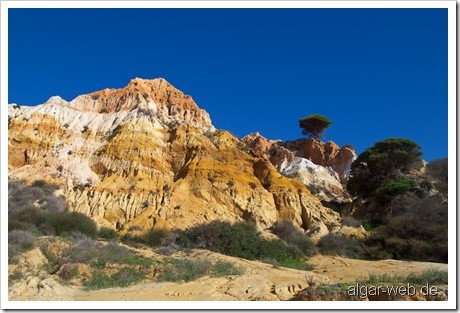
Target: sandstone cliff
[(146, 155)]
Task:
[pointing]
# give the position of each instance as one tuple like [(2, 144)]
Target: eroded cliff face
[(146, 155), (322, 166)]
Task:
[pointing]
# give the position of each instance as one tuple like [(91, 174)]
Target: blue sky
[(376, 73)]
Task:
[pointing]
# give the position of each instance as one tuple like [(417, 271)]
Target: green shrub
[(294, 237), (12, 225), (185, 270), (50, 217), (19, 241), (419, 232), (430, 277), (155, 237), (221, 268), (392, 188), (188, 270), (131, 240), (387, 160), (371, 225), (442, 187), (108, 233), (340, 245), (438, 169), (22, 196), (68, 222), (239, 240), (123, 278), (67, 272), (97, 254)]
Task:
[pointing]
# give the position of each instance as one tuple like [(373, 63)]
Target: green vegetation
[(393, 188), (371, 225), (314, 125), (36, 208), (52, 223), (431, 277), (340, 291), (155, 237), (407, 219), (418, 232), (111, 265), (241, 240), (19, 241), (294, 237), (438, 169), (108, 234), (388, 160), (188, 270), (123, 278), (332, 244)]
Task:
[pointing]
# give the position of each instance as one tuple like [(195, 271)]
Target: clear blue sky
[(376, 73)]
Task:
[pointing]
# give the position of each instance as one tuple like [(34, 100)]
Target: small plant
[(185, 270), (19, 241), (430, 277), (123, 278), (343, 246), (155, 237), (188, 270), (222, 268), (294, 237), (108, 233), (16, 275), (371, 225), (131, 240), (253, 185), (39, 184)]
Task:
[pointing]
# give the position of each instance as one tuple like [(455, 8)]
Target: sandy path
[(340, 269)]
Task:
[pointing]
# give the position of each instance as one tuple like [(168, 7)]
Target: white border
[(129, 305)]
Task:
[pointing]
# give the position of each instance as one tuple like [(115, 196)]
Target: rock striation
[(147, 156)]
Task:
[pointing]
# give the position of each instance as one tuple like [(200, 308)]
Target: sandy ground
[(340, 269), (260, 281)]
